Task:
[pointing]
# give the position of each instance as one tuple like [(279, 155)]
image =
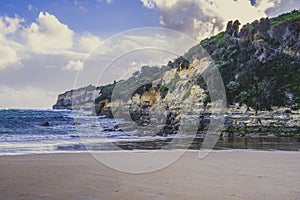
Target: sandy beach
[(221, 175)]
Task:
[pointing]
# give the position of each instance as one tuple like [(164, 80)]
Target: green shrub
[(163, 91)]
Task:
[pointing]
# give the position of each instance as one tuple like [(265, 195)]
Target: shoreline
[(220, 175), (147, 150), (145, 144)]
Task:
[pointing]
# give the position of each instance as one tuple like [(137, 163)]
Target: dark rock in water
[(46, 124), (108, 130), (114, 129), (76, 123), (117, 128)]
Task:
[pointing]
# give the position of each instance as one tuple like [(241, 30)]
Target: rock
[(179, 91), (70, 99), (46, 124), (288, 111), (112, 129), (117, 128)]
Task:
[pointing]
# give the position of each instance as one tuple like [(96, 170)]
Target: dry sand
[(221, 175)]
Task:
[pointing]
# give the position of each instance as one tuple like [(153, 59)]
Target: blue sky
[(98, 17), (44, 44)]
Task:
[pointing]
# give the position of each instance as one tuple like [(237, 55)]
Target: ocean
[(21, 132)]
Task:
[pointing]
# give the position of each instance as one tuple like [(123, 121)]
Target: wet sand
[(221, 175)]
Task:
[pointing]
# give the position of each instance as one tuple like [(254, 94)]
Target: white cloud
[(9, 49), (9, 57), (242, 10), (160, 3), (106, 1), (10, 25), (148, 3), (48, 35), (74, 65), (202, 18), (88, 42)]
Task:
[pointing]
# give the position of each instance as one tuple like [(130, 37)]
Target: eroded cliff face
[(82, 98), (244, 121), (175, 90), (259, 65), (164, 111), (161, 105)]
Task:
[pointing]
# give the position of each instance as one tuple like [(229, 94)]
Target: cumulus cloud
[(88, 42), (74, 65), (48, 35), (9, 49), (50, 54), (9, 57), (203, 18), (10, 25)]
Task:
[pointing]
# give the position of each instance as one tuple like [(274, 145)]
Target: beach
[(220, 175)]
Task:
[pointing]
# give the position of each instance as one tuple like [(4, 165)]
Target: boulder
[(46, 124)]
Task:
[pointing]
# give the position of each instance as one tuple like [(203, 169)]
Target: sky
[(44, 44)]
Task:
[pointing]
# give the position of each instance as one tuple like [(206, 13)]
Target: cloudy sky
[(44, 44)]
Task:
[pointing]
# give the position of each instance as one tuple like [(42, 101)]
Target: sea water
[(21, 132)]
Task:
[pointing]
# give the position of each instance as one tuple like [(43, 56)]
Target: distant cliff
[(259, 64), (83, 97)]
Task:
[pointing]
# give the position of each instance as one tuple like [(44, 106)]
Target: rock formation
[(259, 65)]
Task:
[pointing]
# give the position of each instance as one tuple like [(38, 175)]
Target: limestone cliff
[(259, 65), (184, 98), (82, 97)]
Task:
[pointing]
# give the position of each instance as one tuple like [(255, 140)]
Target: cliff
[(176, 95), (259, 65), (259, 62), (83, 97)]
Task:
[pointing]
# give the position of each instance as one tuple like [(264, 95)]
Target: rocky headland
[(259, 65)]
